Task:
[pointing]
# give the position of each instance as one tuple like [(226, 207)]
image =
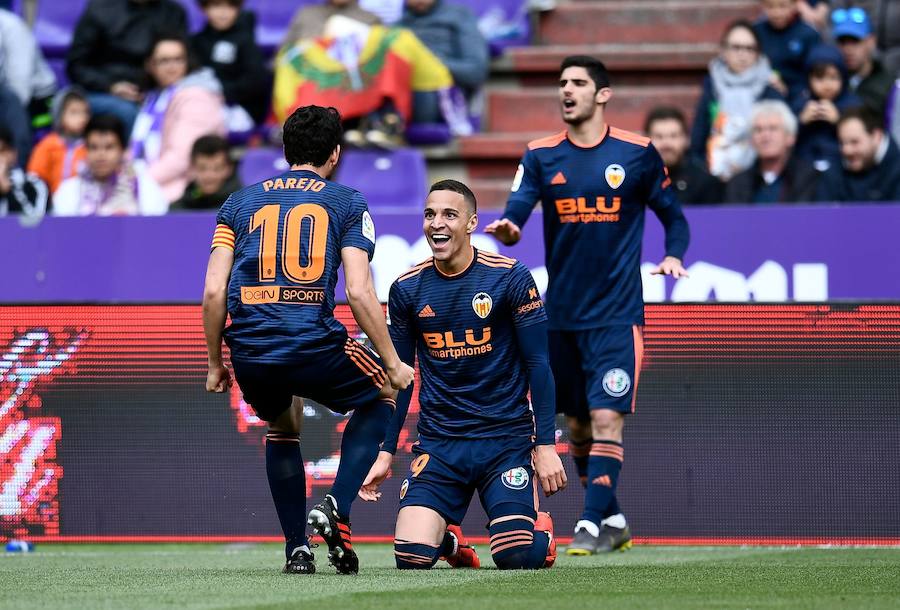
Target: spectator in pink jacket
[(186, 104)]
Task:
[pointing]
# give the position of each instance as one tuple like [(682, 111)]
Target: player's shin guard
[(287, 481), (581, 451), (359, 448), (515, 545), (603, 474), (415, 556)]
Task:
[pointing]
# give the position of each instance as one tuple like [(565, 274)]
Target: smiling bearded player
[(594, 182), (477, 321)]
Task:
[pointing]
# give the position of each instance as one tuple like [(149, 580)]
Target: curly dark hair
[(311, 134)]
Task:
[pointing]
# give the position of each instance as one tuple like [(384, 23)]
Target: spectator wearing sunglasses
[(869, 80), (885, 16)]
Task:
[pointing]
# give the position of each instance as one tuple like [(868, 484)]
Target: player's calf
[(515, 545)]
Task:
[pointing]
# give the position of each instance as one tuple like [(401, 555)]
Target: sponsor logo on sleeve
[(368, 227)]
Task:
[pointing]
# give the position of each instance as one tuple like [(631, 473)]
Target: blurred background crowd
[(145, 107)]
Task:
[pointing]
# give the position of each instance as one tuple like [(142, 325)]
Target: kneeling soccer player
[(478, 324)]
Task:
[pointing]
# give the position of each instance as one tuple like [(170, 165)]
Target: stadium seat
[(259, 164), (388, 179), (53, 28)]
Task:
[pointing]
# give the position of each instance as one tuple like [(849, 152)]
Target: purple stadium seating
[(260, 164), (388, 179), (53, 27)]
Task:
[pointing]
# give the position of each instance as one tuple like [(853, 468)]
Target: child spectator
[(186, 104), (60, 153), (214, 176), (20, 193), (227, 44), (786, 40), (108, 184), (737, 79), (820, 107)]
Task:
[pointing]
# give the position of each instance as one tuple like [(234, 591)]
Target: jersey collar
[(595, 144), (460, 274)]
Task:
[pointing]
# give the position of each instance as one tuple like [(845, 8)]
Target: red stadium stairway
[(656, 50)]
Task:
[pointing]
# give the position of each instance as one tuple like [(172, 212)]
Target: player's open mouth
[(567, 104), (440, 239)]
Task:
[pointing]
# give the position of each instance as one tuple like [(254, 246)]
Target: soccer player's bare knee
[(418, 538), (579, 429), (388, 391), (607, 424), (291, 420)]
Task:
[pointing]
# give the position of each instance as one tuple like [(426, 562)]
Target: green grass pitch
[(223, 576)]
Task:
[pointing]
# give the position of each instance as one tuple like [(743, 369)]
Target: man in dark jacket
[(869, 80), (871, 162), (667, 128), (776, 176), (111, 42), (451, 32), (227, 44)]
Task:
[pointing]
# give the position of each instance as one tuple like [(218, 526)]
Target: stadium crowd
[(801, 105)]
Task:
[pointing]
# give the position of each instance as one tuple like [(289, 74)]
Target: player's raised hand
[(670, 266), (379, 471), (549, 469), (504, 230), (401, 375), (218, 379)]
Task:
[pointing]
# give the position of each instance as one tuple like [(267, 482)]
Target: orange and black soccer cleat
[(335, 532), (544, 523), (465, 555)]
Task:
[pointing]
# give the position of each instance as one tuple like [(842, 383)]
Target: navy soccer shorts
[(446, 473), (343, 378), (596, 368)]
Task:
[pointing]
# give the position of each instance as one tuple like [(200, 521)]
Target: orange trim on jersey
[(416, 270), (548, 142), (592, 144), (638, 360), (628, 136), (488, 263), (496, 256)]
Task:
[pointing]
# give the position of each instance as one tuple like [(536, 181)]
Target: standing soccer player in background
[(273, 268), (594, 182)]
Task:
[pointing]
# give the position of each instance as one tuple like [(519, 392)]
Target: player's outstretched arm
[(369, 315), (215, 310)]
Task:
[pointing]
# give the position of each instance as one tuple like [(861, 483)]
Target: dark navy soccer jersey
[(287, 234), (593, 203), (474, 380)]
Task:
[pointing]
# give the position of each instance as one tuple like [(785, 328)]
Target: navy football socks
[(603, 473), (287, 481), (359, 448)]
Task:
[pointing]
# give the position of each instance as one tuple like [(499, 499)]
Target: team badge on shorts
[(615, 175), (482, 304), (616, 382), (404, 488), (515, 478)]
